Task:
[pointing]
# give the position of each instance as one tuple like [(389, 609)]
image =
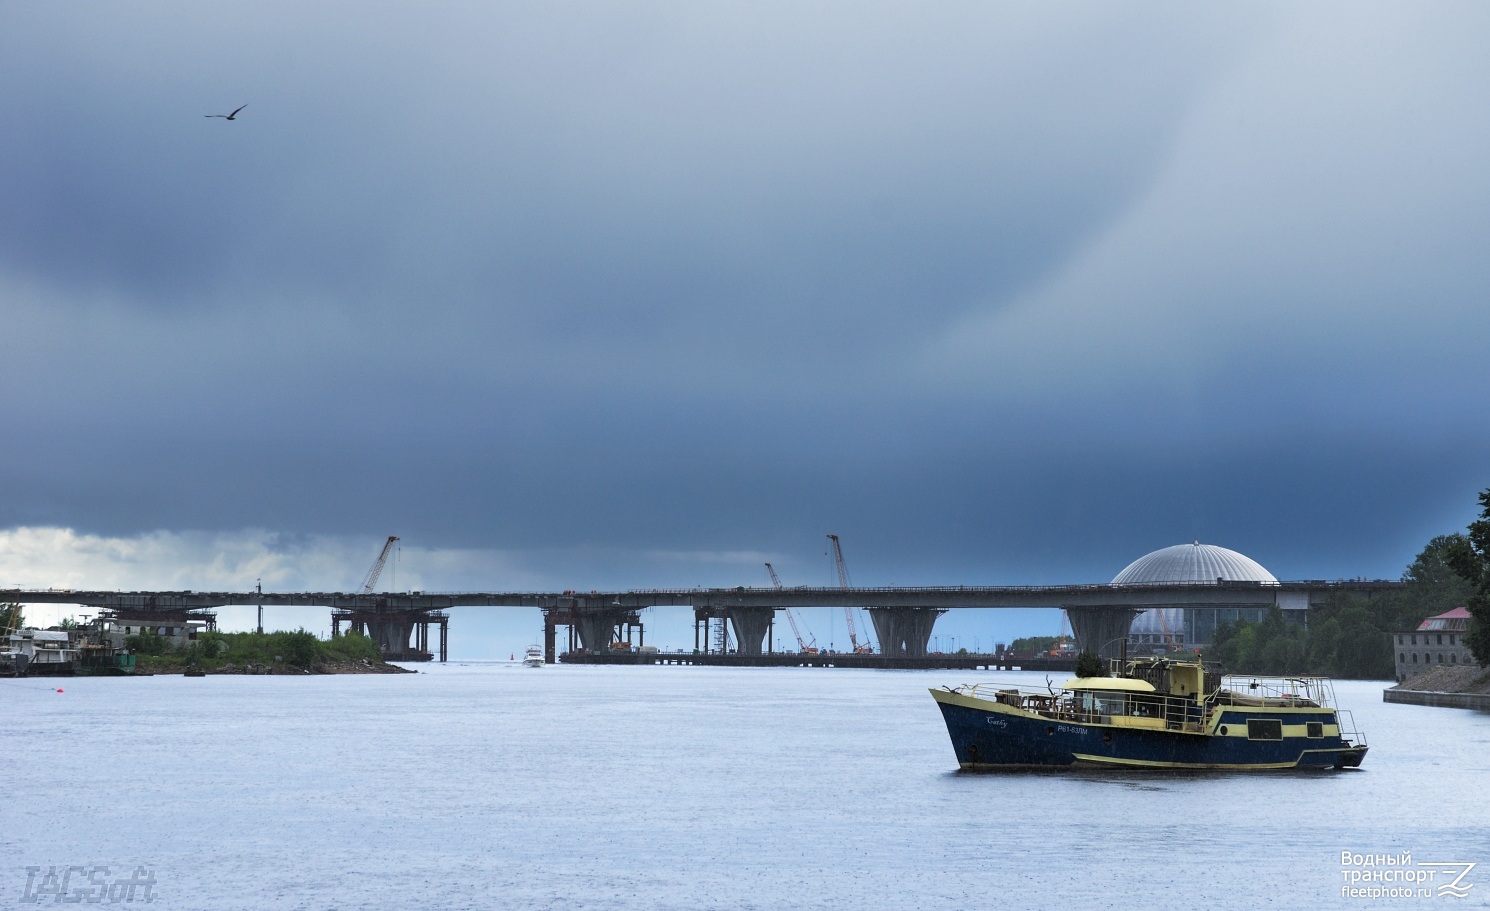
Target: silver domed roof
[(1193, 563)]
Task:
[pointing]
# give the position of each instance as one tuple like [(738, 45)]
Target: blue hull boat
[(1157, 714)]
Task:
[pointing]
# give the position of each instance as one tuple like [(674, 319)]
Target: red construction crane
[(848, 612), (791, 618), (1171, 641), (1059, 647), (377, 567)]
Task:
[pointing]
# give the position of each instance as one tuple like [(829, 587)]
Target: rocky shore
[(361, 666), (1464, 686), (1462, 678)]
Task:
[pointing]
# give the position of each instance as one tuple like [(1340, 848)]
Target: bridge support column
[(599, 627), (751, 624), (392, 629), (904, 632), (549, 635), (1101, 629), (391, 633)]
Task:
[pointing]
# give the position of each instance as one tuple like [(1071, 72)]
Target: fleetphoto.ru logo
[(94, 885), (1398, 876)]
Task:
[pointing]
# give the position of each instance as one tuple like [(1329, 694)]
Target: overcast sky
[(582, 296)]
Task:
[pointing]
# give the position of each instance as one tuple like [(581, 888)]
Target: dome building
[(1191, 626)]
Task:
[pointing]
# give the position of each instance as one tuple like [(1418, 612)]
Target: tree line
[(1350, 635)]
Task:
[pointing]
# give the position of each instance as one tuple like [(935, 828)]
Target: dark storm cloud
[(1005, 292)]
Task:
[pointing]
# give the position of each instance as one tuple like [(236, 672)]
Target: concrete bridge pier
[(391, 634), (392, 630), (1102, 629), (598, 628), (752, 626), (904, 632)]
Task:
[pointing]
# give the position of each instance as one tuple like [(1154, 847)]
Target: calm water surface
[(485, 786)]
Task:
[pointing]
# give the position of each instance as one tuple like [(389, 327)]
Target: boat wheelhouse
[(1154, 713)]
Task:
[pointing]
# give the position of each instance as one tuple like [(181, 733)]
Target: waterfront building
[(1436, 641), (177, 631), (1187, 627)]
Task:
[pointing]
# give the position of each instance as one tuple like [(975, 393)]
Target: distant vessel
[(533, 657), (38, 653), (1156, 713)]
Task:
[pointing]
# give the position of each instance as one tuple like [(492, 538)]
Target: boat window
[(1144, 707), (1314, 729), (1264, 729)]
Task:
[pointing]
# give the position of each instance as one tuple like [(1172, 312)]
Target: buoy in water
[(59, 689)]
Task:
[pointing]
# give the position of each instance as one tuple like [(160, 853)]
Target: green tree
[(1469, 555), (299, 648), (1089, 665), (148, 643), (1433, 584), (11, 618), (1033, 644)]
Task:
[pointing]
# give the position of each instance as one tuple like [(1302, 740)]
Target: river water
[(496, 786)]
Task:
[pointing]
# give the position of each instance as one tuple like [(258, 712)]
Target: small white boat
[(533, 657)]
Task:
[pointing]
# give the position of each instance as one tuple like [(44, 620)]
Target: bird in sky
[(227, 116)]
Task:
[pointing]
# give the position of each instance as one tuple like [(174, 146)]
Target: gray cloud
[(1001, 293)]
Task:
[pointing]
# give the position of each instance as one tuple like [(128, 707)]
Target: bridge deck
[(793, 659), (960, 596)]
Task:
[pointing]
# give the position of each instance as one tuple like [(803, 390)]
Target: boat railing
[(1318, 690), (1120, 708), (1348, 730)]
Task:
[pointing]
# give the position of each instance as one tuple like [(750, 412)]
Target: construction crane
[(377, 568), (1171, 641), (848, 612), (791, 618), (1059, 648)]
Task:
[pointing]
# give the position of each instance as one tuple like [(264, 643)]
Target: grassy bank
[(298, 650)]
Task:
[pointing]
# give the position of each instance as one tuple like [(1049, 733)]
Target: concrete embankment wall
[(1477, 701)]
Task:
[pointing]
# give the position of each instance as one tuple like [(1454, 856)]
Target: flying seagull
[(227, 116)]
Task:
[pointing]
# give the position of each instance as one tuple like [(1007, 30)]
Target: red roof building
[(1456, 619), (1436, 641)]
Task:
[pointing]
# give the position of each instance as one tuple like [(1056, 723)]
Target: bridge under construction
[(903, 617)]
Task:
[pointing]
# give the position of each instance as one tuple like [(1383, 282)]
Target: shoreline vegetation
[(298, 652), (1349, 636)]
